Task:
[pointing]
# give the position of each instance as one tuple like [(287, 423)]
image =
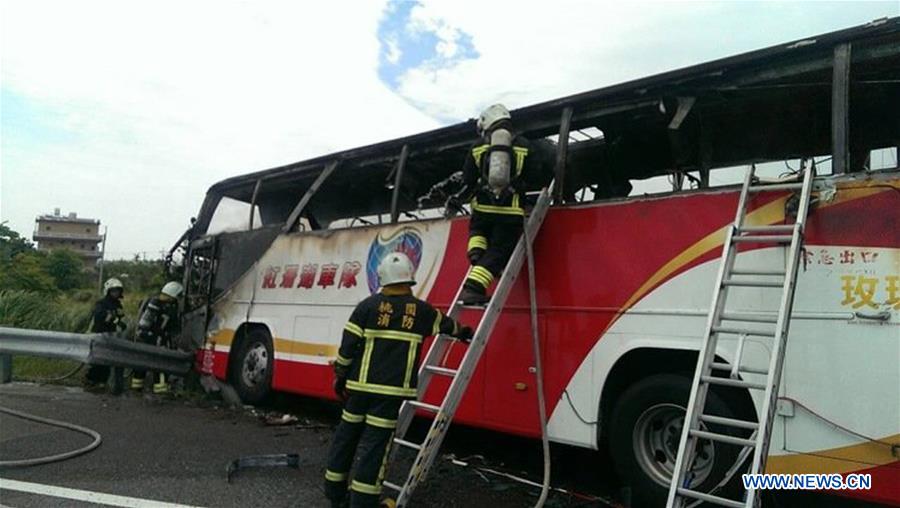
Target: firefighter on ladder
[(495, 171), (157, 325), (375, 371)]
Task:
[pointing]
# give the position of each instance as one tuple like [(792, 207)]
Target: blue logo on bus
[(406, 240)]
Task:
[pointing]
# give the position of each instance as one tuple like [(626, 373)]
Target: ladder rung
[(475, 307), (772, 273), (727, 381), (741, 331), (392, 486), (749, 318), (763, 239), (774, 228), (441, 370), (424, 405), (742, 370), (408, 444), (729, 422), (709, 498), (775, 186), (722, 438), (753, 283)]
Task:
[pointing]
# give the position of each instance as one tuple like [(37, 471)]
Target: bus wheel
[(253, 366), (644, 433)]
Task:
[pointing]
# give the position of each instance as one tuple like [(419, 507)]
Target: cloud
[(526, 52), (127, 112)]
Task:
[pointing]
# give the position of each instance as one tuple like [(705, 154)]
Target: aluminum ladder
[(428, 450), (790, 236)]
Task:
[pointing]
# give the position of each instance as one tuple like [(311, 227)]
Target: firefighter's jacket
[(475, 170), (382, 340), (159, 320), (107, 315)]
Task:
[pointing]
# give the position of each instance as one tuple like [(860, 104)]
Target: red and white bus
[(624, 276)]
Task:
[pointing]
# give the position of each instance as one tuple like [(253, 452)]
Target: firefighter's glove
[(340, 381), (121, 324), (465, 334), (340, 388)]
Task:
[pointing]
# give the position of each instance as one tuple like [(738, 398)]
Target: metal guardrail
[(94, 349)]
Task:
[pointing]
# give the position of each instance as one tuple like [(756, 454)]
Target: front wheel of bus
[(644, 433), (251, 373)]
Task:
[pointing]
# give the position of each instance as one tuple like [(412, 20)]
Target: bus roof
[(762, 105)]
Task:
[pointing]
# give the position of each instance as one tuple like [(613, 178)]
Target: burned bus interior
[(833, 96)]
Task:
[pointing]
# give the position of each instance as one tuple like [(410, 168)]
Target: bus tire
[(644, 433), (251, 373)]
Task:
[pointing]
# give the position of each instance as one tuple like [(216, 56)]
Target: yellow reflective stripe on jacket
[(373, 333), (381, 389), (478, 242), (384, 423), (354, 329), (352, 418), (478, 151), (365, 488), (410, 363), (502, 210), (520, 154), (366, 358), (335, 477)]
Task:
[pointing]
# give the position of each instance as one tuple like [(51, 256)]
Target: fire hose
[(538, 370), (56, 457)]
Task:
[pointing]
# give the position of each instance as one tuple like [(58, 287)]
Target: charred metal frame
[(840, 110), (253, 203), (301, 205), (398, 180), (562, 152)]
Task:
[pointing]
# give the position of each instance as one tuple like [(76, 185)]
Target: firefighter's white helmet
[(490, 116), (112, 283), (396, 268), (172, 289)]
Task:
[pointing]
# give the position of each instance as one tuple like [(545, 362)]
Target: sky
[(128, 111)]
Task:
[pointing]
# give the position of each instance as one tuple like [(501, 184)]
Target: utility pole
[(102, 256)]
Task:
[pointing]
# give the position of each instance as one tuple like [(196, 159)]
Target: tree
[(11, 244), (66, 268), (26, 272)]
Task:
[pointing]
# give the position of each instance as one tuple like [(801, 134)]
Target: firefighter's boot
[(473, 295), (137, 383), (161, 386)]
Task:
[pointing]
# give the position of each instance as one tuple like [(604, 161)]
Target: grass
[(36, 369)]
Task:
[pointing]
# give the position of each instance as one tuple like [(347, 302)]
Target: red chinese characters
[(270, 275), (327, 275), (348, 274), (308, 275)]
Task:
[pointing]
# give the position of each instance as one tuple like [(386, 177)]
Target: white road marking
[(85, 495)]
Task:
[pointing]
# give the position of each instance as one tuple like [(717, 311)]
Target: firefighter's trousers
[(160, 384), (492, 239), (365, 432)]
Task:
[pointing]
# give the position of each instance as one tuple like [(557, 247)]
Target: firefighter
[(107, 317), (157, 325), (375, 371), (495, 171)]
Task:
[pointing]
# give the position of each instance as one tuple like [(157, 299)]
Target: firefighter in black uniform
[(107, 317), (495, 172), (157, 325), (375, 371)]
